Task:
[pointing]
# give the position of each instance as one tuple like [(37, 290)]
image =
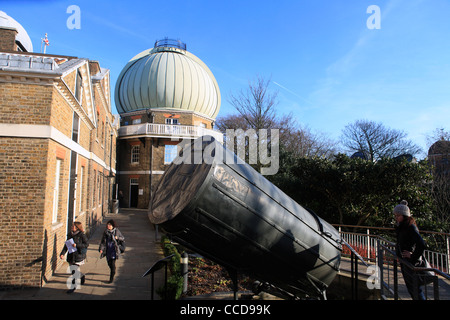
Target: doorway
[(134, 192)]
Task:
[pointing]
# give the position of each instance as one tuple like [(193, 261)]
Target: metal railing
[(167, 130), (375, 248), (365, 244), (166, 42), (157, 266), (388, 263)]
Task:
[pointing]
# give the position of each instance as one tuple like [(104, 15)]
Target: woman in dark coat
[(77, 257), (109, 246), (410, 245)]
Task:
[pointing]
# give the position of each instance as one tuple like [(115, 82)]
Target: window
[(98, 123), (75, 127), (56, 191), (95, 188), (81, 189), (170, 153), (171, 121), (136, 121), (99, 187), (103, 133), (78, 87), (135, 150)]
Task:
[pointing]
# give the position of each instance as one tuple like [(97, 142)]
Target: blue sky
[(328, 67)]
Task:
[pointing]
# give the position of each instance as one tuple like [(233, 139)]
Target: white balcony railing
[(167, 130)]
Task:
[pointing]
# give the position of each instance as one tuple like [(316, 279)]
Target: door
[(134, 193)]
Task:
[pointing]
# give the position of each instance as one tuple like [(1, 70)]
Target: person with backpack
[(76, 248), (111, 246)]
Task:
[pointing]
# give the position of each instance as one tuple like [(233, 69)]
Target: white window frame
[(172, 121), (135, 154)]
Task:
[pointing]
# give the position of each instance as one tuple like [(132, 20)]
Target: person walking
[(109, 246), (410, 246), (76, 249)]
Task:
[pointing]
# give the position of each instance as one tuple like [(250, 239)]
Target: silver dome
[(167, 78)]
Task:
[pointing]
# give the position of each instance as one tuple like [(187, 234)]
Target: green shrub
[(174, 280)]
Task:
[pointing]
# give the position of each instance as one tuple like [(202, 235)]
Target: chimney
[(8, 40)]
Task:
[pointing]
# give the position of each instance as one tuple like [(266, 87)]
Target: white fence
[(173, 131)]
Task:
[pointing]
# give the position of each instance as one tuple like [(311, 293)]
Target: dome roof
[(168, 78), (22, 35), (439, 147)]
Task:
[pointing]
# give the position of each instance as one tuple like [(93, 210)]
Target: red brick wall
[(23, 207)]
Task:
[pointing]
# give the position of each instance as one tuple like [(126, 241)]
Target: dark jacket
[(81, 240), (409, 239), (110, 236)]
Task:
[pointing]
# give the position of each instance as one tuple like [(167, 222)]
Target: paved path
[(141, 253)]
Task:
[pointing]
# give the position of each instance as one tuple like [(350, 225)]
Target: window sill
[(56, 225)]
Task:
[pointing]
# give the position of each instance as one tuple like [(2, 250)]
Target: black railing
[(386, 256), (166, 42), (157, 266)]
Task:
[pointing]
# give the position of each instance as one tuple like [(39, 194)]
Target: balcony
[(167, 131)]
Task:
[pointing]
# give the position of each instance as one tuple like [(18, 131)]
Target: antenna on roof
[(44, 43)]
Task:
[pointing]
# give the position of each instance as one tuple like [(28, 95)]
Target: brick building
[(57, 150), (164, 95)]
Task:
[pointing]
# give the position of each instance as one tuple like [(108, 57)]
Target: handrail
[(157, 266), (354, 268), (416, 270), (342, 241)]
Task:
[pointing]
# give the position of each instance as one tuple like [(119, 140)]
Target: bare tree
[(256, 108), (376, 141), (257, 104), (301, 142)]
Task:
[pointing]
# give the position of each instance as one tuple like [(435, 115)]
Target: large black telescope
[(228, 212)]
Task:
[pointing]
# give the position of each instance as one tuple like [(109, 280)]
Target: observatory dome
[(22, 36), (439, 148), (167, 77)]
